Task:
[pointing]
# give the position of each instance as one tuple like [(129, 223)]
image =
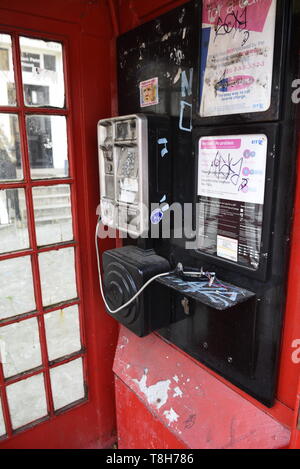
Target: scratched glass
[(21, 345), (27, 401), (7, 77), (53, 214), (63, 332), (42, 73), (16, 287), (47, 146), (58, 279), (10, 150), (13, 221), (67, 384)]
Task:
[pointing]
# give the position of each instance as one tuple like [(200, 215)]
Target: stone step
[(48, 190), (53, 207), (52, 212), (45, 196), (51, 201), (47, 220), (47, 203)]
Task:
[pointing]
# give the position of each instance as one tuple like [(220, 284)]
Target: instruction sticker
[(149, 92), (233, 167), (231, 193)]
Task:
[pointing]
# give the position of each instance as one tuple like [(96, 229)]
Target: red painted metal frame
[(191, 404), (84, 38), (90, 424), (161, 437)]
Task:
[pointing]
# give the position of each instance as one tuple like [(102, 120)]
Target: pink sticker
[(221, 144), (226, 15)]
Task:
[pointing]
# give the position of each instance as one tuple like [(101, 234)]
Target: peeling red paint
[(208, 414)]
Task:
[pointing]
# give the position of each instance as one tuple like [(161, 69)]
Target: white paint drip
[(157, 394), (177, 77), (171, 415), (184, 33), (176, 379), (177, 392), (182, 16), (179, 56), (166, 37)]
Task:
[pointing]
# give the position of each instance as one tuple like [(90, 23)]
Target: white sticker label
[(227, 248)]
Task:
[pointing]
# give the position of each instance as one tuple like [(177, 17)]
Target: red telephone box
[(70, 377)]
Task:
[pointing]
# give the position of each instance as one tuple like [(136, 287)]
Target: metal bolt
[(230, 360)]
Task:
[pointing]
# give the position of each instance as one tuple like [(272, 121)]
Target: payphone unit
[(220, 290)]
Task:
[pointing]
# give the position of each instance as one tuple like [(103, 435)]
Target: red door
[(56, 343)]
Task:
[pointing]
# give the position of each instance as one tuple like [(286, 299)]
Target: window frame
[(22, 111)]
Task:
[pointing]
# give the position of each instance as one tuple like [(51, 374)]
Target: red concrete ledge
[(166, 393)]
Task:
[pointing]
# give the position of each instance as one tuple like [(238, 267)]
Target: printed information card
[(231, 191)]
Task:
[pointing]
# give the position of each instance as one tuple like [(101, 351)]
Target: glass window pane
[(13, 220), (7, 77), (42, 72), (16, 287), (67, 383), (58, 279), (53, 215), (27, 401), (63, 332), (47, 146), (2, 424), (20, 343), (10, 150)]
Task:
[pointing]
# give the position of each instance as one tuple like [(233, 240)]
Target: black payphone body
[(224, 77)]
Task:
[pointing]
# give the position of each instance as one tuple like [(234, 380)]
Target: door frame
[(90, 424)]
